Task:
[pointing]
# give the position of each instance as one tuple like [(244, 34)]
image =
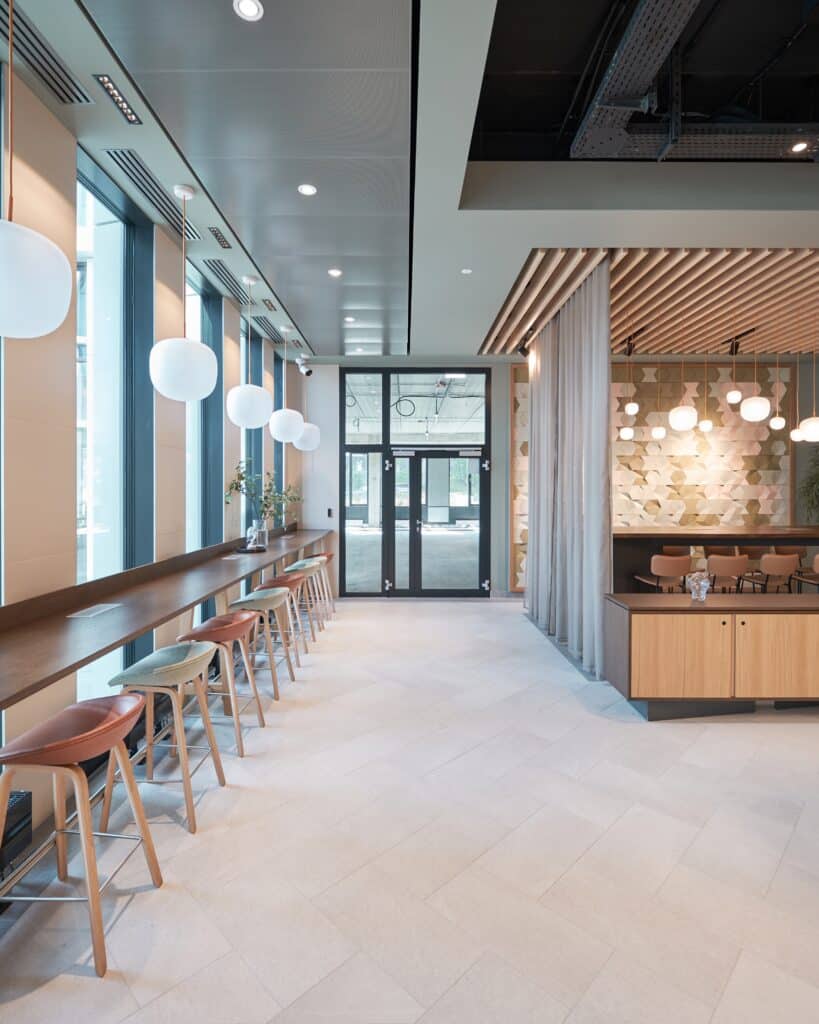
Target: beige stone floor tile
[(760, 992)]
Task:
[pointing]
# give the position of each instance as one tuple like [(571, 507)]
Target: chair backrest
[(670, 565), (676, 549), (754, 552), (719, 549), (781, 549), (727, 565), (779, 565)]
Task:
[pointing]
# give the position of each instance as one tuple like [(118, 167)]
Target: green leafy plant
[(809, 489), (265, 500)]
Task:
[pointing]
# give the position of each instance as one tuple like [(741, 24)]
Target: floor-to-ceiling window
[(100, 362), (193, 433)]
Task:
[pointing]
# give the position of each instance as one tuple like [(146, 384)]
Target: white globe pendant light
[(682, 417), (631, 408), (733, 396), (777, 423), (181, 369), (796, 435), (248, 405), (36, 279), (705, 424), (310, 438), (755, 409), (626, 433), (658, 433), (286, 425)]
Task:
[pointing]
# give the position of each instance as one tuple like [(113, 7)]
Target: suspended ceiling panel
[(674, 300), (317, 91)]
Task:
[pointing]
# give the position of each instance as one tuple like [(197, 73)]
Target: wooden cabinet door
[(682, 656), (777, 656)]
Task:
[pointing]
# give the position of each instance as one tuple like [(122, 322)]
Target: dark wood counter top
[(717, 603), (40, 644), (692, 533)]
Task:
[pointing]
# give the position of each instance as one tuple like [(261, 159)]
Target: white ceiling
[(489, 216)]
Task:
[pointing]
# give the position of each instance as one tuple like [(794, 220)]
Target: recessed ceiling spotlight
[(349, 319), (334, 272), (307, 190), (466, 270), (799, 147), (248, 10), (118, 99), (359, 351)]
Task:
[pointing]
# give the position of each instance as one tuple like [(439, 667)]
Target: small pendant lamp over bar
[(248, 405), (181, 369), (36, 279), (755, 408), (286, 424), (796, 433), (778, 421), (810, 425), (706, 425), (682, 416)]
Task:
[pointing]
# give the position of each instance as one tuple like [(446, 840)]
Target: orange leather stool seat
[(292, 581), (222, 629), (77, 733)]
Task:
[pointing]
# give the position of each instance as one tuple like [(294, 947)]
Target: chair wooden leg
[(226, 657), (251, 678), (281, 622), (105, 810), (268, 636), (92, 881), (202, 697), (291, 630), (177, 701), (314, 601), (295, 603), (135, 800), (150, 727), (60, 838)]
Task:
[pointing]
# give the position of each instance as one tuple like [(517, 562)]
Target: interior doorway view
[(415, 478)]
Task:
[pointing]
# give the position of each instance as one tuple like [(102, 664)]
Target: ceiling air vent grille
[(37, 53), (266, 327), (220, 271), (132, 165), (220, 238)]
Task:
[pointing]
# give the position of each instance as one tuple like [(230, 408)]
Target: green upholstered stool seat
[(303, 564), (262, 600), (169, 666)]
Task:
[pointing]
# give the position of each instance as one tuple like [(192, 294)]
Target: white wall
[(320, 474)]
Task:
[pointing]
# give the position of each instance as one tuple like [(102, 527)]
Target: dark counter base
[(662, 710)]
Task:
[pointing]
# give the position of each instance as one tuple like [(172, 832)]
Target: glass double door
[(435, 523)]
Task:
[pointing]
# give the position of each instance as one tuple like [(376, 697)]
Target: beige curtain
[(569, 553)]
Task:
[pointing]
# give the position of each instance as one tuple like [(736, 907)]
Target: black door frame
[(388, 453)]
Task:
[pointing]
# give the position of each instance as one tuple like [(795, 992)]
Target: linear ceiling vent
[(132, 165), (266, 327), (40, 57), (220, 238), (220, 271)]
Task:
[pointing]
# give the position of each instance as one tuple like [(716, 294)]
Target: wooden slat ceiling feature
[(675, 300)]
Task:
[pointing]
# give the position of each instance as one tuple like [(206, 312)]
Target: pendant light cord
[(284, 373), (814, 378), (705, 386), (184, 271), (798, 360), (249, 308), (11, 110), (776, 385)]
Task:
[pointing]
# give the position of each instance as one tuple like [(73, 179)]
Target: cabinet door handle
[(724, 623), (742, 622)]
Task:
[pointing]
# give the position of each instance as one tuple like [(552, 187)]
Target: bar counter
[(41, 641), (673, 657), (633, 546)]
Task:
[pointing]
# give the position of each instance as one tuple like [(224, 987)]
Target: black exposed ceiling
[(749, 67)]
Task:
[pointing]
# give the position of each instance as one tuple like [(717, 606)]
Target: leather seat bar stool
[(57, 746), (775, 573), (225, 631), (727, 572), (271, 600), (667, 573), (311, 569), (325, 575), (810, 577), (170, 671), (293, 584)]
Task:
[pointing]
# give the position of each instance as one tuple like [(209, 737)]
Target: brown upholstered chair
[(726, 572), (667, 573), (809, 577), (776, 573)]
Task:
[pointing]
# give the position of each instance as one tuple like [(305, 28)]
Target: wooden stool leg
[(108, 792), (291, 630), (268, 636), (5, 792), (306, 595), (202, 697), (318, 606), (295, 604), (150, 727), (177, 702), (60, 838), (135, 800), (92, 881), (251, 678), (281, 622), (226, 657)]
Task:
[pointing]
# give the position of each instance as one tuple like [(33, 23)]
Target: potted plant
[(264, 500)]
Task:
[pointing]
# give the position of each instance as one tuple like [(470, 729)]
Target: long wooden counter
[(40, 642), (633, 546), (674, 657)]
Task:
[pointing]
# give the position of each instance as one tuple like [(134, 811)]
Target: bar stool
[(667, 573), (170, 671), (726, 572), (328, 557), (775, 572), (263, 602), (809, 577), (56, 747), (225, 631), (293, 583), (311, 568)]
